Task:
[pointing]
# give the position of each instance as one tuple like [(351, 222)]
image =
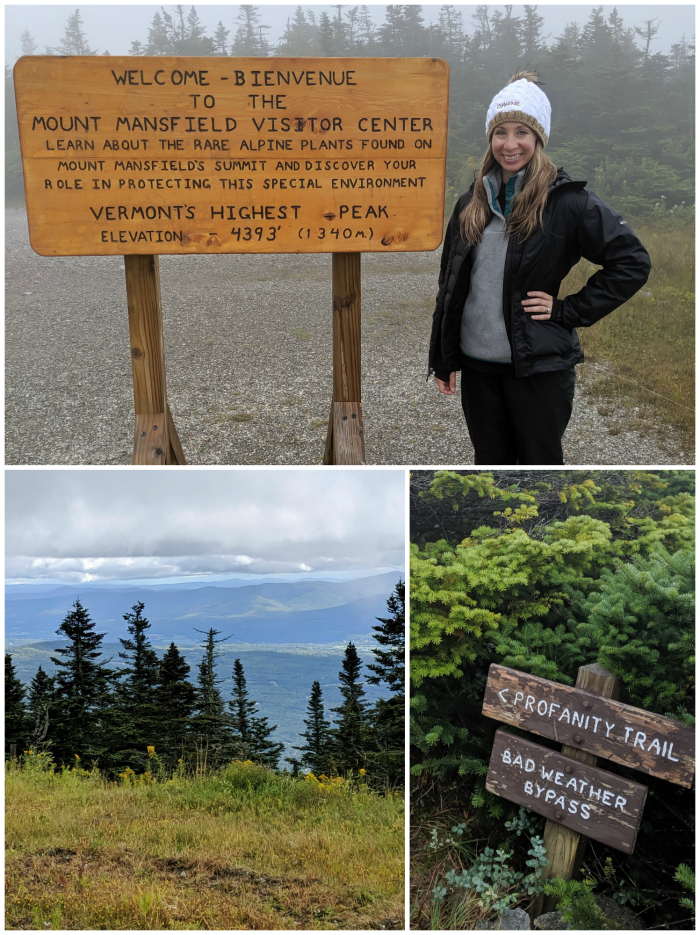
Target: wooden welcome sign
[(579, 800), (151, 155)]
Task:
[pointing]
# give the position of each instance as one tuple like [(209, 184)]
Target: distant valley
[(286, 634), (277, 612)]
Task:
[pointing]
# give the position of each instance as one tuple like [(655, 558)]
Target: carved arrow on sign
[(657, 745)]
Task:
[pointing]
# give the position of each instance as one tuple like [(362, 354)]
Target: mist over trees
[(622, 113), (90, 712)]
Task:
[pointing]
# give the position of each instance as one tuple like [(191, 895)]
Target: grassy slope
[(242, 850), (650, 341)]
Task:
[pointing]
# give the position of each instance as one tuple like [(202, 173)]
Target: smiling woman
[(512, 239)]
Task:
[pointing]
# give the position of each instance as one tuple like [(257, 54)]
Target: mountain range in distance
[(309, 611), (286, 634)]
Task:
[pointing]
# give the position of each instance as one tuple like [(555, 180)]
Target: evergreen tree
[(450, 38), (41, 699), (249, 38), (250, 734), (83, 690), (210, 723), (17, 722), (299, 37), (159, 40), (221, 39), (350, 735), (388, 715), (390, 666), (327, 44), (74, 40), (174, 699), (28, 43), (315, 753), (136, 691), (531, 33), (403, 32), (366, 32), (195, 40)]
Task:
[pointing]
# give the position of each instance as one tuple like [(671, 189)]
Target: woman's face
[(513, 146)]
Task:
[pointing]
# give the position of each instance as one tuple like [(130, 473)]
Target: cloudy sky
[(113, 28), (79, 526)]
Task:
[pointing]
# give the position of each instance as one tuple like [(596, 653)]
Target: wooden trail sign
[(142, 156), (657, 745), (586, 799)]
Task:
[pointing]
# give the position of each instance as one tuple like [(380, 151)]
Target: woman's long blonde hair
[(527, 207)]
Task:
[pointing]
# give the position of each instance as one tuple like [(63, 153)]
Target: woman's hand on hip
[(448, 387), (539, 305)]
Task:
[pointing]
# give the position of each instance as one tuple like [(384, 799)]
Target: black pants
[(517, 420)]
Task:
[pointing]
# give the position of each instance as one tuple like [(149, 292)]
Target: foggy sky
[(74, 525), (113, 28)]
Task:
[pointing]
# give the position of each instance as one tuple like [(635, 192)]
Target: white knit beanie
[(521, 101)]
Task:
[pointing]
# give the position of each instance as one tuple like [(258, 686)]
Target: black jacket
[(575, 223)]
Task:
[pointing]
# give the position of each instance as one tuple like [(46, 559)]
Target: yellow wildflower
[(150, 751), (362, 772)]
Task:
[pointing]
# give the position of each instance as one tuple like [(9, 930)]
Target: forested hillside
[(544, 572), (141, 710)]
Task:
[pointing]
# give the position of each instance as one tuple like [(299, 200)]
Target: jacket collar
[(492, 183), (563, 178)]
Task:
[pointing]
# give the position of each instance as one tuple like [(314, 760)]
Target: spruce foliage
[(351, 730), (17, 723), (608, 578), (40, 703), (136, 691), (315, 752), (74, 40), (250, 735), (174, 701), (209, 721), (120, 715), (83, 690), (387, 759)]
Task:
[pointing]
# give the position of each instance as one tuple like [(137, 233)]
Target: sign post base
[(155, 436), (345, 442), (566, 848)]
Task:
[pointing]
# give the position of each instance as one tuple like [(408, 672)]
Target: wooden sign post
[(147, 156), (579, 800)]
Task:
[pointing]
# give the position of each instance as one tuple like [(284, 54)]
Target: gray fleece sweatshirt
[(483, 331)]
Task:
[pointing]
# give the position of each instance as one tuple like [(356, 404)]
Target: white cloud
[(94, 525)]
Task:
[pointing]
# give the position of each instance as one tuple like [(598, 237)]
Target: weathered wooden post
[(155, 438), (566, 848), (345, 442), (13, 751)]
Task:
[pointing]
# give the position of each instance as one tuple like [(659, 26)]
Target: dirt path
[(248, 356)]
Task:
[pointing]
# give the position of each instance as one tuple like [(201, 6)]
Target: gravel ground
[(248, 359)]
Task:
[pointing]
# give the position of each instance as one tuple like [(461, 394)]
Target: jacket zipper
[(508, 300)]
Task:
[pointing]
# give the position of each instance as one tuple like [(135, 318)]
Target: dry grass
[(647, 346), (243, 850), (435, 850)]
